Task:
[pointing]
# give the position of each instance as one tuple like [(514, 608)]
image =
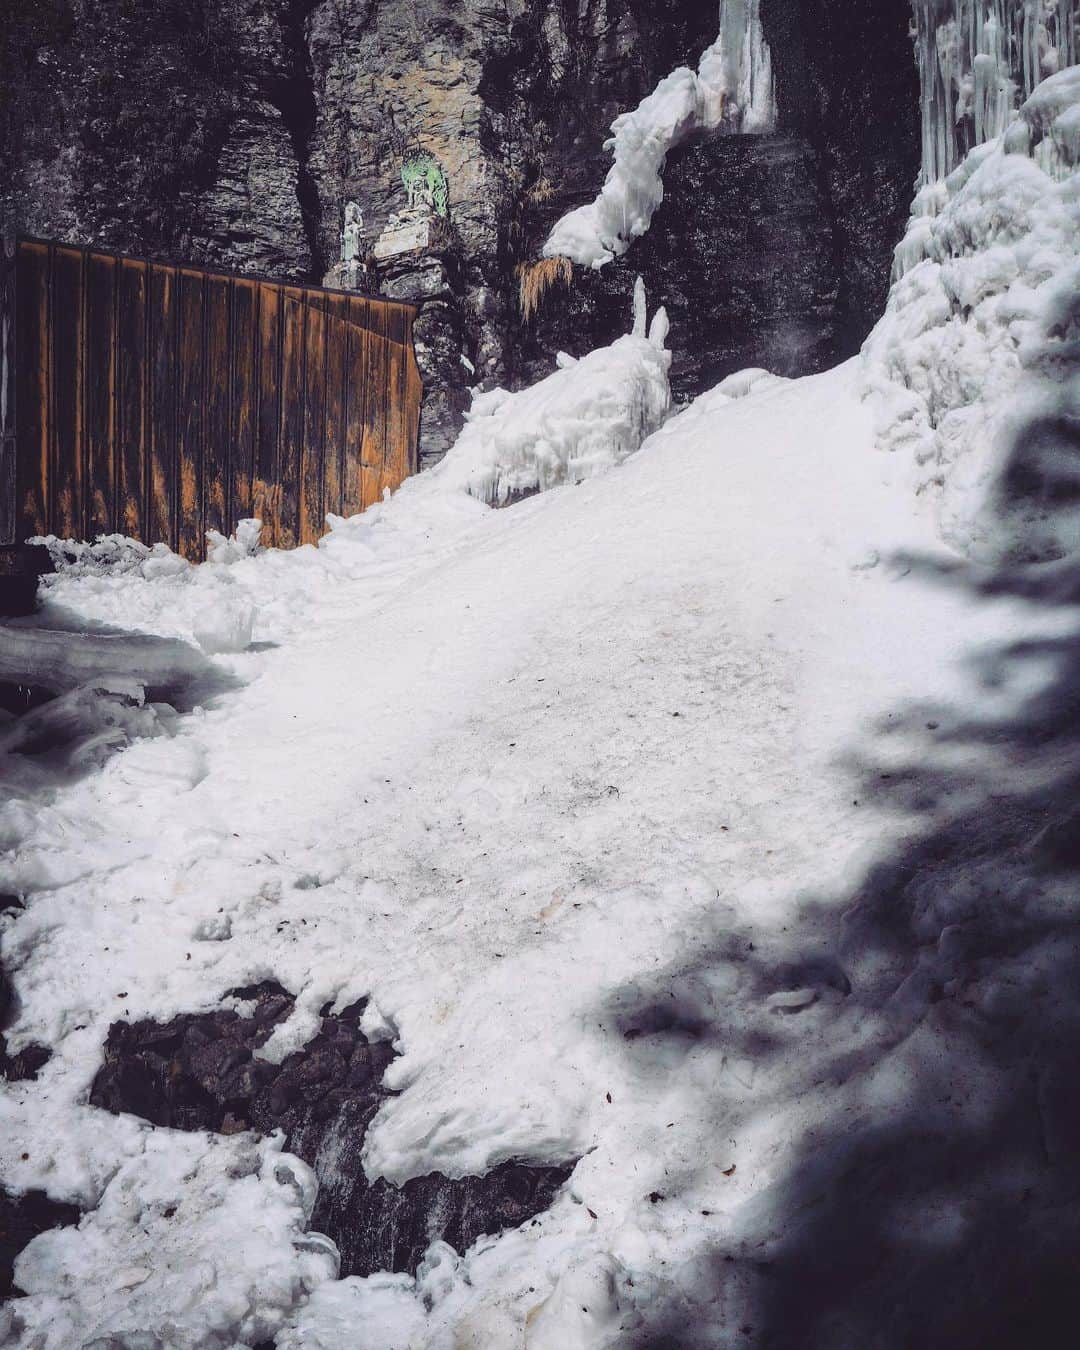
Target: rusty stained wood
[(131, 430), (161, 401), (162, 365)]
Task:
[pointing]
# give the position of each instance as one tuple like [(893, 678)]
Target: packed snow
[(700, 818), (731, 90)]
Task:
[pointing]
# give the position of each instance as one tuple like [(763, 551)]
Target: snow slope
[(568, 791)]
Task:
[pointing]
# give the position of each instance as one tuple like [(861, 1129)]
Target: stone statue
[(350, 235), (425, 183)]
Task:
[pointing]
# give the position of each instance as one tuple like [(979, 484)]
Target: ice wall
[(732, 90), (973, 369), (978, 60)]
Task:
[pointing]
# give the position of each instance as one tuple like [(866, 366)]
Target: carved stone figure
[(350, 235)]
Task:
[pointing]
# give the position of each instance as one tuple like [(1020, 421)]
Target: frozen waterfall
[(978, 60), (731, 90)]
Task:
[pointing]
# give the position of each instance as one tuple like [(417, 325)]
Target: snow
[(732, 90), (625, 810), (977, 347), (551, 770)]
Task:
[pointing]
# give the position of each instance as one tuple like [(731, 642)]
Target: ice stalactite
[(978, 60), (731, 91)]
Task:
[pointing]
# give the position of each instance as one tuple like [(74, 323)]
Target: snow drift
[(973, 368)]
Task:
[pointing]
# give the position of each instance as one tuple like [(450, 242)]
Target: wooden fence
[(162, 400)]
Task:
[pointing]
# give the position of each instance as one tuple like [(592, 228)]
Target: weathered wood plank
[(313, 453), (131, 438), (414, 397), (32, 391), (266, 493), (376, 409), (162, 506), (66, 380), (292, 415), (244, 398), (355, 405), (218, 298), (190, 394), (100, 394), (337, 352), (160, 400)]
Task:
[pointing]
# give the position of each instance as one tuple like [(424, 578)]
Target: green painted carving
[(425, 182)]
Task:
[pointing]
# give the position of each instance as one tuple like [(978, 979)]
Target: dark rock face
[(169, 129), (198, 1072), (769, 251), (235, 131), (741, 254)]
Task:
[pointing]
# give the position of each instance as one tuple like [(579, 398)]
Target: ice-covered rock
[(580, 421), (732, 89), (973, 368), (221, 1252)]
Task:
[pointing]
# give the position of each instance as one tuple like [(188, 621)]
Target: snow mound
[(586, 417), (732, 90), (753, 380), (973, 368), (240, 1204)]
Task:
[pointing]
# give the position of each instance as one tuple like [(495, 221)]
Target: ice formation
[(977, 60), (974, 363), (587, 416), (732, 90)]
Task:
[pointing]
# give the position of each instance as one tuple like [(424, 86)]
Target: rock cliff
[(235, 132)]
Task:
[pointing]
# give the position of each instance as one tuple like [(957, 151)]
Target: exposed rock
[(740, 253), (198, 1072), (242, 130)]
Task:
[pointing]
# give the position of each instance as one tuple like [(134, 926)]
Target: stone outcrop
[(199, 1072), (237, 131)]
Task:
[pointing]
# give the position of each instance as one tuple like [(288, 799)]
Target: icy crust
[(977, 60), (975, 359), (584, 419), (155, 1264), (732, 90)]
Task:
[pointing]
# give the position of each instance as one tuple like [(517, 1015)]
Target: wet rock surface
[(199, 1072)]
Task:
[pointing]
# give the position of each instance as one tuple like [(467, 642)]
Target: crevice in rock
[(294, 98), (198, 1072)]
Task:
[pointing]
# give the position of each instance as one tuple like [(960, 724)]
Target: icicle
[(640, 310), (978, 60)]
